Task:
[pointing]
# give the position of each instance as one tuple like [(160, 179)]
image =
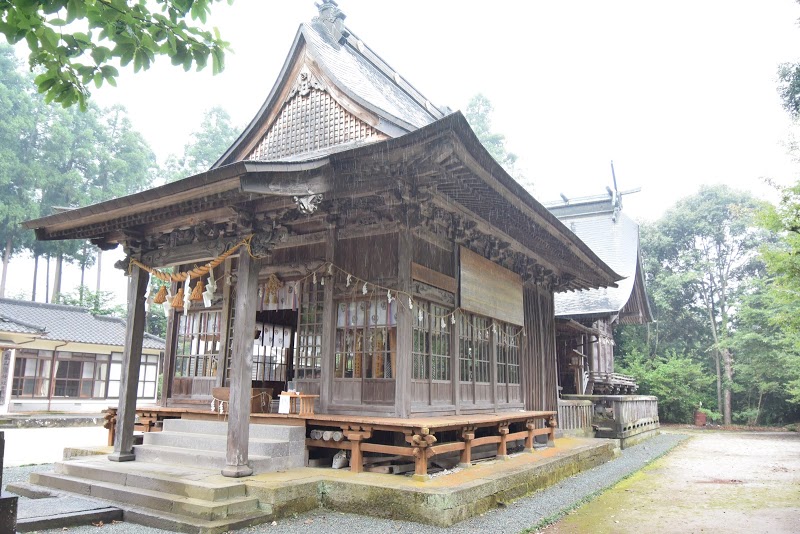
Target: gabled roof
[(69, 324), (361, 82), (614, 237)]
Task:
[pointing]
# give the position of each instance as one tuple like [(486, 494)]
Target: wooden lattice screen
[(309, 123)]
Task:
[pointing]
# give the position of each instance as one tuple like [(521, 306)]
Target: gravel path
[(517, 516)]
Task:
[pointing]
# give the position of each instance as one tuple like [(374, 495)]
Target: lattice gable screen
[(308, 123)]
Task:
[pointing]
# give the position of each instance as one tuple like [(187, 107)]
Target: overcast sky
[(678, 93)]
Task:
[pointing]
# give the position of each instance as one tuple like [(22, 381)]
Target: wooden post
[(404, 335), (455, 351), (225, 321), (244, 325), (468, 434), (168, 373), (356, 459), (328, 331), (551, 436), (131, 361), (493, 363), (502, 447), (529, 426)]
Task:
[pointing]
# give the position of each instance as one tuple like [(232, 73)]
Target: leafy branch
[(73, 43)]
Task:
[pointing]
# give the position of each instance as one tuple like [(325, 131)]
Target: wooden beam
[(241, 368), (131, 362)]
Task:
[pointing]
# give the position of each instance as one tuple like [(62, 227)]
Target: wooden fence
[(621, 416)]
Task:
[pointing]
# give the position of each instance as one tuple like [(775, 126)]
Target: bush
[(679, 383)]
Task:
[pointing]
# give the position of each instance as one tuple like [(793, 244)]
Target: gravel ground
[(517, 516)]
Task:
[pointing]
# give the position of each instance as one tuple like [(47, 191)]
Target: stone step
[(215, 459), (218, 443), (220, 428), (149, 499), (156, 477), (176, 523)]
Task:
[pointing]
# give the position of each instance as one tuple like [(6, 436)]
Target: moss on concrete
[(442, 501)]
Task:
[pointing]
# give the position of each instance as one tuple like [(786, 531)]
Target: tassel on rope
[(197, 292), (161, 296), (177, 302)]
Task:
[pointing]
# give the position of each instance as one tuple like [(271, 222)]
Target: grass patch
[(554, 518)]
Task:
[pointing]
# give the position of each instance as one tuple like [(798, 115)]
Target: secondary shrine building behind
[(390, 265)]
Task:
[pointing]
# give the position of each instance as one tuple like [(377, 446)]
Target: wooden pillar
[(456, 338), (131, 361), (404, 336), (530, 426), (493, 363), (356, 458), (224, 323), (552, 423), (502, 447), (468, 434), (244, 325), (328, 330), (169, 355)]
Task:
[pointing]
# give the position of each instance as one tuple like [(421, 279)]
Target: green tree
[(72, 43), (479, 116), (698, 259), (88, 157), (204, 148), (678, 381), (18, 169), (98, 302), (767, 357)]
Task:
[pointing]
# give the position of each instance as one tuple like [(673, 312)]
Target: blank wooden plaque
[(489, 289)]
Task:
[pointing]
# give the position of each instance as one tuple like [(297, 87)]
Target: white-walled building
[(64, 359)]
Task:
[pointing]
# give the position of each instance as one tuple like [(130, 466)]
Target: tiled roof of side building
[(69, 323), (8, 324)]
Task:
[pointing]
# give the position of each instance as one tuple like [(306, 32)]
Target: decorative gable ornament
[(332, 19), (308, 204), (305, 82)]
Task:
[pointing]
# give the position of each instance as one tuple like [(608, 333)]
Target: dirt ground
[(716, 481)]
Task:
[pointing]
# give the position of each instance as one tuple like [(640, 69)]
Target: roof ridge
[(30, 303), (393, 75)]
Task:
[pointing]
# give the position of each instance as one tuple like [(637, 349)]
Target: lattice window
[(309, 123), (475, 349), (308, 352), (431, 350), (507, 353), (270, 352), (198, 343), (366, 340)]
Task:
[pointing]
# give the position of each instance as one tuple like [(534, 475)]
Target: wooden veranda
[(418, 438)]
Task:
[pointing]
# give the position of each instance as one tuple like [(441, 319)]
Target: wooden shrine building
[(586, 319), (379, 256)]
